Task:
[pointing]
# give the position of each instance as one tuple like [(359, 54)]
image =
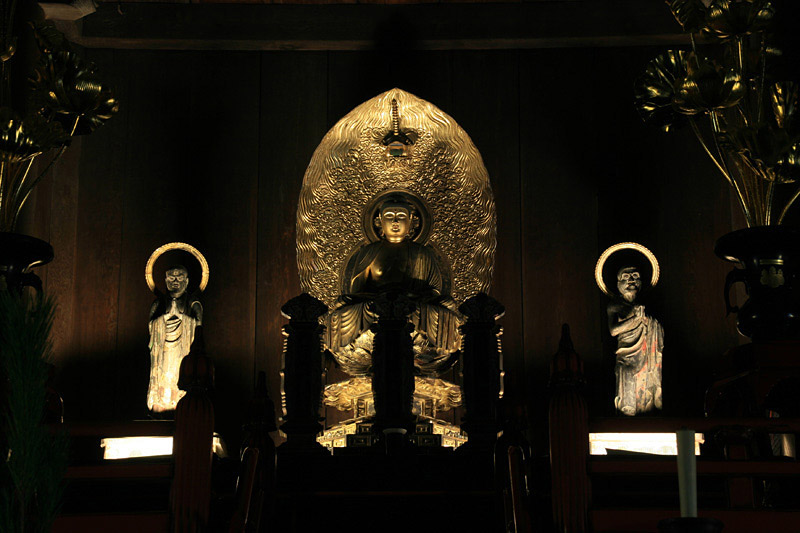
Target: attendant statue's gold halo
[(161, 250), (352, 168), (601, 273)]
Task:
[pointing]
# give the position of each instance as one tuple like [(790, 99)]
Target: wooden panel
[(611, 467), (292, 123), (63, 184), (95, 289), (560, 141), (359, 76), (355, 26), (120, 471), (663, 192), (155, 210), (192, 162), (486, 104), (211, 148), (119, 523), (643, 520)]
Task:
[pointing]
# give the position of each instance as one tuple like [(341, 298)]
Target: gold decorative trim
[(345, 394), (148, 269), (598, 269)]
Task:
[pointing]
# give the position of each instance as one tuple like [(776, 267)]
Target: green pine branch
[(33, 458)]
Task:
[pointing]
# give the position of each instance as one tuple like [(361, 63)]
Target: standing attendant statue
[(174, 318), (640, 338)]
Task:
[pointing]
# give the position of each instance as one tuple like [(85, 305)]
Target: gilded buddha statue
[(394, 263), (396, 199)]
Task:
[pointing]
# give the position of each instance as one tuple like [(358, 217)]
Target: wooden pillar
[(259, 423), (482, 370), (302, 375), (393, 365), (192, 446), (569, 440)]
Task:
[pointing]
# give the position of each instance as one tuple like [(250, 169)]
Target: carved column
[(569, 439), (190, 494), (482, 370), (393, 365), (302, 374)]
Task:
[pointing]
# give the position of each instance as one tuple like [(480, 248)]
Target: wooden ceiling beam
[(547, 24)]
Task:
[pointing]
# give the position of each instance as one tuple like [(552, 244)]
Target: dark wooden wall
[(210, 148)]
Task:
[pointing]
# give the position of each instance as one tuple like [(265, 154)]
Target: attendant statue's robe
[(640, 343), (172, 326), (407, 267)]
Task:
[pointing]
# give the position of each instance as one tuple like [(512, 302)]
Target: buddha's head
[(177, 280), (397, 221), (629, 282)]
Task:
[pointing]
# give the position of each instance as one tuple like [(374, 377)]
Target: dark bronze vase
[(769, 257), (18, 254)]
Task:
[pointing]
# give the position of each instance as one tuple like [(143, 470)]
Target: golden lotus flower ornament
[(754, 149), (690, 14), (67, 86), (707, 86), (784, 101), (730, 19), (67, 99), (21, 140), (655, 90)]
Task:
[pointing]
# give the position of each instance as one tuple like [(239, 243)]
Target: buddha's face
[(629, 283), (177, 280), (396, 223)]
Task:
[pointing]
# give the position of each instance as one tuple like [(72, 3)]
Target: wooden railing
[(188, 473)]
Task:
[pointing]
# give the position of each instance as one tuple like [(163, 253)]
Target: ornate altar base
[(431, 397), (358, 434)]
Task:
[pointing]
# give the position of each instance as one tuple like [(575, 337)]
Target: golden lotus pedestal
[(432, 397)]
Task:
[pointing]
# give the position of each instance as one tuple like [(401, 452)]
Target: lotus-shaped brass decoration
[(654, 92), (21, 140), (707, 86), (66, 98), (690, 14), (729, 19), (785, 99), (769, 151), (66, 86), (755, 150)]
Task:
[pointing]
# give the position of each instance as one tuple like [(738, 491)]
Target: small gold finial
[(397, 143), (395, 118)]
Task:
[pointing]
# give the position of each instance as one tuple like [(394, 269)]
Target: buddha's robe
[(407, 267), (172, 325)]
